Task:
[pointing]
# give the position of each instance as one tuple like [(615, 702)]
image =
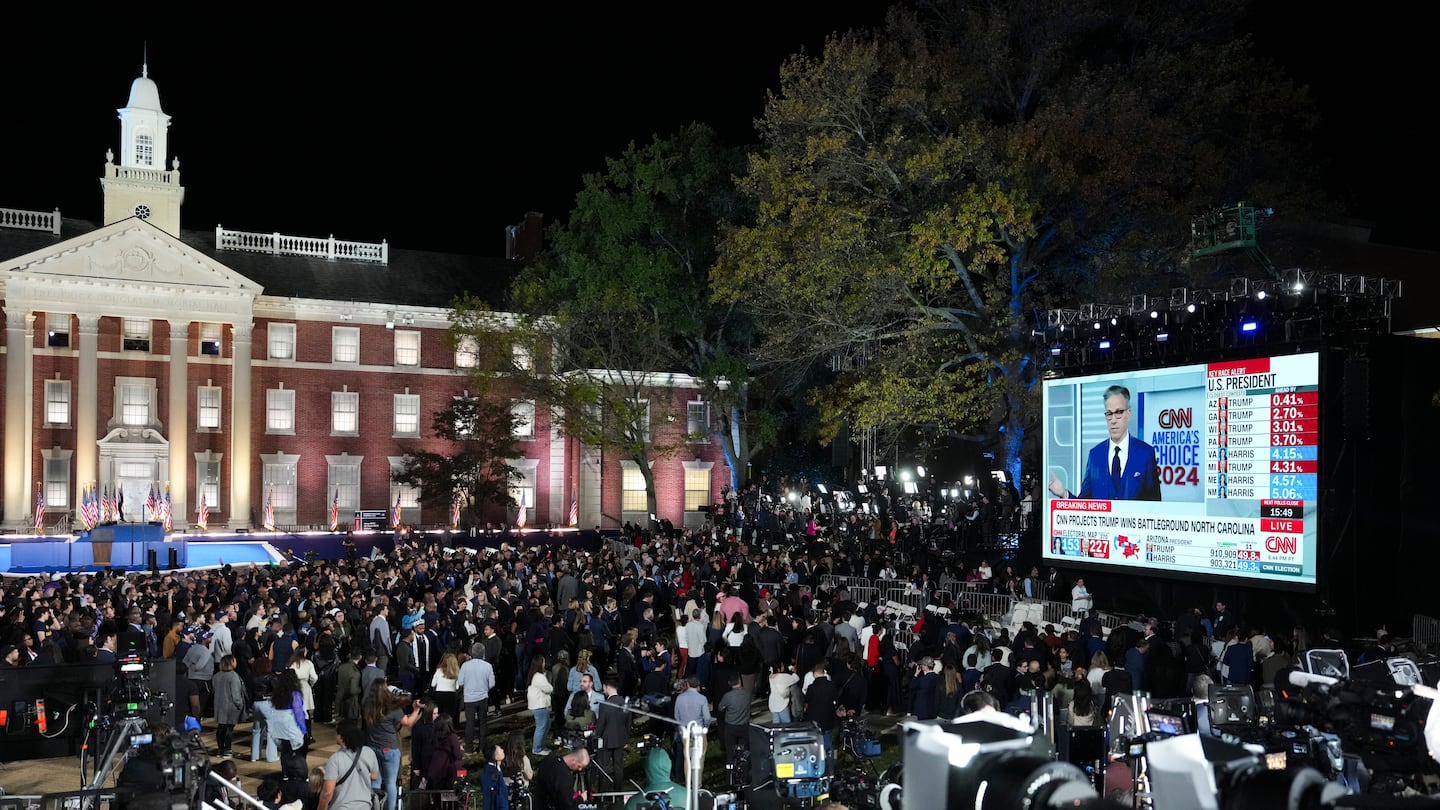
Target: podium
[(124, 545)]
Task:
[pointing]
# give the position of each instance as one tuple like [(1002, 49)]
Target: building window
[(57, 479), (344, 478), (407, 348), (467, 352), (57, 330), (135, 335), (633, 497), (409, 496), (281, 341), (345, 413), (407, 415), (524, 413), (279, 486), (57, 403), (521, 357), (207, 480), (144, 150), (208, 407), (345, 344), (522, 489), (464, 427), (697, 421), (210, 338), (640, 420), (280, 410), (697, 485), (134, 400)]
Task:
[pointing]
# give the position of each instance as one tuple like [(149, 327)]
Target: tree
[(925, 192), (482, 430)]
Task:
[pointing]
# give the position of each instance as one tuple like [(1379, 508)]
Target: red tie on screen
[(1115, 471)]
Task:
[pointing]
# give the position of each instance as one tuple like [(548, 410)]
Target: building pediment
[(129, 267)]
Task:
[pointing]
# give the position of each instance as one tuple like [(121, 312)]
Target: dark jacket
[(820, 702), (612, 724)]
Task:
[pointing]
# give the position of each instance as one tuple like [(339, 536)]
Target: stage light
[(822, 489), (1189, 307), (1161, 337), (794, 497), (1154, 313), (1054, 351), (904, 475), (920, 470), (969, 480), (1103, 345), (1249, 325), (1097, 324), (1260, 295), (1114, 321)]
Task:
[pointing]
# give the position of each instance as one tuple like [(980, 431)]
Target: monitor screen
[(1207, 470)]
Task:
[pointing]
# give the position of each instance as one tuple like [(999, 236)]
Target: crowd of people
[(406, 656)]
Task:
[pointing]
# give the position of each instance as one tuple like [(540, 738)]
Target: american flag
[(89, 507), (165, 508), (107, 506), (40, 509), (395, 515), (520, 516), (455, 512), (574, 512), (203, 520), (270, 510), (150, 502), (335, 511)]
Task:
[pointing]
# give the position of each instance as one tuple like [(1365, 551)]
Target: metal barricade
[(1425, 632), (864, 594)]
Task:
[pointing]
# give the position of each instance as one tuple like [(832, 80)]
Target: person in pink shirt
[(732, 603)]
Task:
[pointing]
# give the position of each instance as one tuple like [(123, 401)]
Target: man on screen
[(1121, 468)]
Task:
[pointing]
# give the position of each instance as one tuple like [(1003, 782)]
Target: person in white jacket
[(305, 671), (537, 700)]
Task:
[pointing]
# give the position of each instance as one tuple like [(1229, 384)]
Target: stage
[(129, 546)]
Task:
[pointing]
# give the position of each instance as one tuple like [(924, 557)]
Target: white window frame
[(57, 330), (211, 333), (644, 420), (144, 149), (696, 498), (57, 403), (278, 478), (280, 411), (209, 401), (409, 496), (207, 480), (56, 471), (345, 413), (521, 357), (524, 412), (406, 415), (523, 488), (631, 498), (343, 472), (407, 355), (134, 384), (697, 430), (280, 341), (467, 351), (134, 332), (464, 431), (345, 345)]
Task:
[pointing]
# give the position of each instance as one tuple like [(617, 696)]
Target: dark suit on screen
[(1139, 481)]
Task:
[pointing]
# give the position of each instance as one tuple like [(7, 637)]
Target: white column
[(87, 418), (240, 451), (178, 422), (18, 336)]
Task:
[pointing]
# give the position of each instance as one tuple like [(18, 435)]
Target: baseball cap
[(205, 635)]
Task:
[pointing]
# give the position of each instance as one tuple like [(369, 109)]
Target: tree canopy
[(482, 432), (924, 191)]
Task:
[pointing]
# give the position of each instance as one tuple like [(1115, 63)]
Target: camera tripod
[(117, 737)]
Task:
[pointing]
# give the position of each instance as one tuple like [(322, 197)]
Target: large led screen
[(1205, 469)]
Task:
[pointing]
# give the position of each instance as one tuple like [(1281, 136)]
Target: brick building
[(245, 368)]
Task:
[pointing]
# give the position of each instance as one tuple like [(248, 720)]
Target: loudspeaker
[(174, 556)]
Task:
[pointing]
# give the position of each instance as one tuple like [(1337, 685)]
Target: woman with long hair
[(442, 686), (284, 715), (517, 758), (385, 715), (715, 636), (1084, 710), (981, 648), (950, 692), (734, 634), (306, 676), (445, 756), (1099, 665), (422, 744), (537, 700)]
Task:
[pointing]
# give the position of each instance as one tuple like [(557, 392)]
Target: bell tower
[(139, 185)]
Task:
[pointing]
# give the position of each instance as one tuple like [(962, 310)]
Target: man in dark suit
[(612, 734), (1120, 468)]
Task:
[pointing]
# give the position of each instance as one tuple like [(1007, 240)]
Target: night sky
[(436, 131)]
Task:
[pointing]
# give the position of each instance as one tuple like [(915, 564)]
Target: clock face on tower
[(142, 211)]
